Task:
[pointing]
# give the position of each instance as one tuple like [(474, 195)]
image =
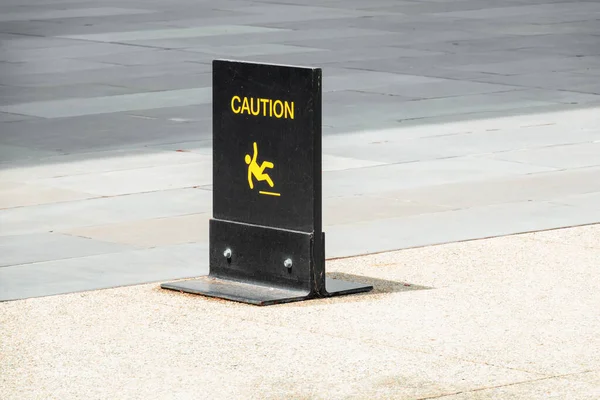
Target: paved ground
[(443, 121), (505, 318)]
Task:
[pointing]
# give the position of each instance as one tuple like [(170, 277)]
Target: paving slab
[(131, 36), (74, 13), (141, 180), (10, 153), (7, 117), (381, 235), (50, 67), (104, 210), (442, 120), (148, 233), (533, 187), (23, 195), (98, 133), (571, 157), (111, 104), (411, 175), (101, 271), (28, 249), (18, 95), (77, 164)]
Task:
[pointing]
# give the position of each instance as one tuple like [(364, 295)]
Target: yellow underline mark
[(270, 193)]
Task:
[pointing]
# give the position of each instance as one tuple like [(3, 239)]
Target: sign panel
[(267, 145), (266, 239)]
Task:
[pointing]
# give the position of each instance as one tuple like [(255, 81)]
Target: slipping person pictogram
[(258, 171)]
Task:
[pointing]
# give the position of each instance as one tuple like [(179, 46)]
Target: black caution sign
[(266, 239)]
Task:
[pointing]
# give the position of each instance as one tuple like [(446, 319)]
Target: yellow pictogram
[(257, 171)]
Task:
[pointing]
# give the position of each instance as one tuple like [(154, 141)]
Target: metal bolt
[(287, 263), (227, 253)]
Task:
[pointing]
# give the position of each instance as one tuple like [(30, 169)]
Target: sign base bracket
[(260, 295)]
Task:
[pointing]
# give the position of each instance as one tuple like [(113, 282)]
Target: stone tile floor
[(443, 121)]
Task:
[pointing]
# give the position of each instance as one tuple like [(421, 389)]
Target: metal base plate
[(338, 287), (258, 294)]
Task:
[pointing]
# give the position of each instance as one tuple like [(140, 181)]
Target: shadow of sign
[(379, 285)]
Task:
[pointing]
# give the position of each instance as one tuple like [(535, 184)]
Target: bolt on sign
[(266, 242)]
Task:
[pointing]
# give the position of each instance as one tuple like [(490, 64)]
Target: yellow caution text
[(262, 107)]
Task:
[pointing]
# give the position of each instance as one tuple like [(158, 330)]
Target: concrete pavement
[(443, 121), (505, 318)]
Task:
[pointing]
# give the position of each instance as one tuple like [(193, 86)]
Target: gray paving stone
[(492, 137), (560, 80), (50, 66), (151, 57), (72, 13), (138, 180), (6, 117), (587, 202), (282, 36), (525, 9), (111, 104), (417, 109), (419, 174), (290, 18), (252, 50), (101, 132), (442, 88), (73, 51), (10, 95), (548, 186), (340, 56), (184, 114), (50, 217), (103, 271), (164, 82), (105, 74), (349, 42), (77, 164), (554, 63), (451, 226), (27, 249), (132, 36), (377, 56), (564, 157), (10, 154)]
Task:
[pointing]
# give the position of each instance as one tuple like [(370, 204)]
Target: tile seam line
[(550, 169), (75, 258), (475, 80), (505, 385), (442, 243), (65, 232), (458, 117), (82, 39), (414, 100), (17, 114), (128, 249), (198, 187), (553, 169), (155, 148), (83, 174)]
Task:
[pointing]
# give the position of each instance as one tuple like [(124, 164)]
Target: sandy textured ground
[(513, 317)]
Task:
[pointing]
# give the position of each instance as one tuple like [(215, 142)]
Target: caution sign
[(267, 144), (266, 241)]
